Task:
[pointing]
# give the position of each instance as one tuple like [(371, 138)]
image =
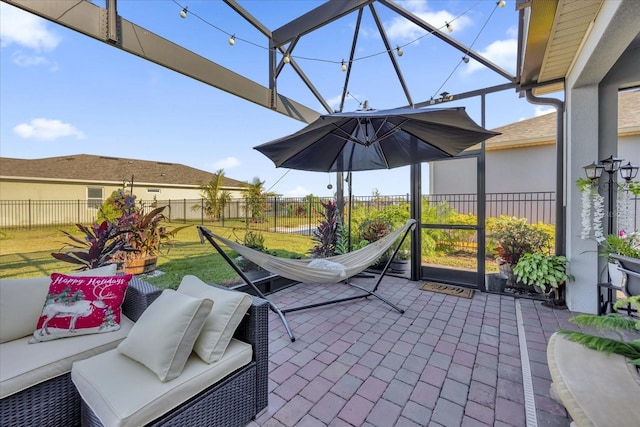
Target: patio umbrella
[(376, 139)]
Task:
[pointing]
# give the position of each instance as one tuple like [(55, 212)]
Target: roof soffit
[(555, 35)]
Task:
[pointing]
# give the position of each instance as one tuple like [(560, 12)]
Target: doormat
[(441, 288)]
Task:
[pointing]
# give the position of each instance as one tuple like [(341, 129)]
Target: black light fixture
[(593, 171), (629, 171), (611, 164)]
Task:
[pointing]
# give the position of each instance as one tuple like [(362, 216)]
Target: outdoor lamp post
[(610, 165), (629, 171)]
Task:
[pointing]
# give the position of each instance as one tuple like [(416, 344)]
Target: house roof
[(542, 129), (85, 167)]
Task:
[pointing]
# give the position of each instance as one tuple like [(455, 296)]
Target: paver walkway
[(447, 361)]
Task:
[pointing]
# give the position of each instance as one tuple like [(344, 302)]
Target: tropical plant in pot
[(546, 273), (101, 245), (143, 232)]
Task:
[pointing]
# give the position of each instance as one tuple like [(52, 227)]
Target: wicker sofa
[(56, 402)]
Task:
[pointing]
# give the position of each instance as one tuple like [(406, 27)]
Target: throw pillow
[(21, 301), (81, 305), (325, 264), (230, 307), (162, 339)]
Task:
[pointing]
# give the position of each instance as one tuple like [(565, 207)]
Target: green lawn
[(28, 254)]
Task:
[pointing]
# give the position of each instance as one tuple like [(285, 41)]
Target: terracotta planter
[(140, 265)]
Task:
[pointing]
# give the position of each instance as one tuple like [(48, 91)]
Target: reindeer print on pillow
[(81, 305)]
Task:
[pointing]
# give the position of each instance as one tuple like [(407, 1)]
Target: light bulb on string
[(501, 3), (232, 40), (399, 51), (465, 59), (183, 13), (343, 66), (449, 27), (286, 59)]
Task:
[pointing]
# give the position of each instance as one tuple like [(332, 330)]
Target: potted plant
[(621, 244), (142, 232), (101, 245), (513, 237), (544, 272), (372, 230)]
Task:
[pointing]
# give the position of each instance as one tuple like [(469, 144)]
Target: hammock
[(333, 269), (330, 270)]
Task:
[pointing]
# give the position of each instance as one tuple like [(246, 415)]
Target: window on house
[(94, 197)]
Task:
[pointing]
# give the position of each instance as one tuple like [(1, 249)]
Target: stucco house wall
[(523, 158)]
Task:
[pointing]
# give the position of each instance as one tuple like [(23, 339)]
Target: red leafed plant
[(100, 246)]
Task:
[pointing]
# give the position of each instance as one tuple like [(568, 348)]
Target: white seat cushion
[(121, 392), (23, 365)]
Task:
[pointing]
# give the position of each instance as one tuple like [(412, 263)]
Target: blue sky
[(63, 93)]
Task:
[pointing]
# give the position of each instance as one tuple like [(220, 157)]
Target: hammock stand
[(382, 244)]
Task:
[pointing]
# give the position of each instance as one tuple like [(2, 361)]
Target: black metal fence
[(282, 214)]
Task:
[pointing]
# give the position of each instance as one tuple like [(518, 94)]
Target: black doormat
[(441, 288)]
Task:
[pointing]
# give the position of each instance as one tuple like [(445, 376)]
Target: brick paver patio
[(447, 361)]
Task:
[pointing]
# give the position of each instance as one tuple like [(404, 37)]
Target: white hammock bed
[(335, 269)]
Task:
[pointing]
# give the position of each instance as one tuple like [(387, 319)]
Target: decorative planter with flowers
[(623, 242)]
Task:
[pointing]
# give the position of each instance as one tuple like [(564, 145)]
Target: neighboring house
[(523, 157), (88, 177), (70, 189)]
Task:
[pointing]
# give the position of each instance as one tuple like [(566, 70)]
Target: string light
[(465, 59), (287, 59)]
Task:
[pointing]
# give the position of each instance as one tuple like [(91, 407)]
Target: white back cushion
[(162, 339), (227, 313)]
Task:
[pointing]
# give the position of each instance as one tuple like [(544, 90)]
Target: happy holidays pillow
[(78, 305)]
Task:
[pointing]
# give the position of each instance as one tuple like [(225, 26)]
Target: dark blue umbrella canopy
[(376, 139)]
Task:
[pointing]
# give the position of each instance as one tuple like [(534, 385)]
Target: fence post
[(78, 205), (275, 213)]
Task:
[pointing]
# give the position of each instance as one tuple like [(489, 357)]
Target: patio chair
[(335, 269)]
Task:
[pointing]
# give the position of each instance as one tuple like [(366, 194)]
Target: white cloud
[(26, 30), (540, 110), (46, 130), (501, 52), (23, 59), (402, 30), (299, 191), (228, 163)]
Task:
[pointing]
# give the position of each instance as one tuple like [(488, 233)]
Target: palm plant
[(611, 322), (213, 196)]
